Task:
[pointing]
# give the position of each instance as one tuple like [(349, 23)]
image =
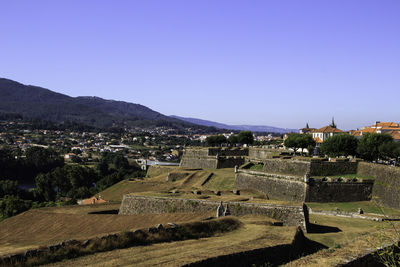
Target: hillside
[(39, 103), (253, 128)]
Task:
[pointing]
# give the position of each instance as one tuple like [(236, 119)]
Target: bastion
[(213, 158), (288, 215), (292, 180)]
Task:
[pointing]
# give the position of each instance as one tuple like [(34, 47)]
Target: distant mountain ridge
[(37, 102), (253, 128)]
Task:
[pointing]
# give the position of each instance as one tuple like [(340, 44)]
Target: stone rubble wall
[(288, 215), (387, 183)]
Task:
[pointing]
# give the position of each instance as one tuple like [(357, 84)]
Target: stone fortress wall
[(274, 186), (386, 190), (285, 179), (288, 215), (213, 158), (272, 180), (284, 187), (314, 168)]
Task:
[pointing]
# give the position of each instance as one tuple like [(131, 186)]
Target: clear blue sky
[(280, 63)]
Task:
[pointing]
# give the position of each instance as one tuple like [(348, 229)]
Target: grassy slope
[(51, 225), (222, 179), (367, 206), (350, 229), (361, 245), (254, 234)]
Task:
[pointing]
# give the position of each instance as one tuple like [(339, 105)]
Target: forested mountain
[(40, 103)]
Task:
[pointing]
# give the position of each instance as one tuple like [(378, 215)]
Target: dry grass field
[(362, 244), (52, 225), (255, 233), (353, 239)]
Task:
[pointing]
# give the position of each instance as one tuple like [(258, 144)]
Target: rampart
[(260, 154), (387, 183), (228, 152), (274, 186), (213, 158), (288, 215), (338, 191), (316, 168), (286, 166), (294, 188)]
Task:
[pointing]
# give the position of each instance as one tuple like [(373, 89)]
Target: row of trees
[(244, 137), (371, 146)]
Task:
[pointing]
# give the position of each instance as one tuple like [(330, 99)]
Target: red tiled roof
[(356, 133), (328, 129), (93, 200), (395, 135), (368, 130), (385, 124), (317, 139)]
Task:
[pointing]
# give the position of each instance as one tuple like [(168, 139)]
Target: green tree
[(44, 187), (8, 187), (389, 150), (43, 160), (233, 140), (339, 145), (216, 140), (103, 168), (368, 146), (305, 141), (246, 137), (293, 141), (71, 181), (12, 205), (8, 164), (120, 162)]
